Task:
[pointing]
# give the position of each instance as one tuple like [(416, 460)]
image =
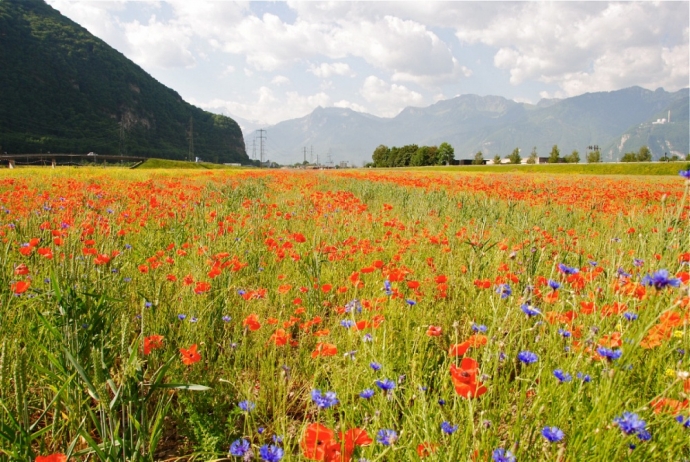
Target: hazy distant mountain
[(494, 125)]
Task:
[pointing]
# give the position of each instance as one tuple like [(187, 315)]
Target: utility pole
[(305, 155), (262, 137), (254, 148), (191, 139)]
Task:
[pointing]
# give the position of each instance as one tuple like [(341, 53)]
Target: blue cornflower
[(271, 453), (504, 290), (148, 305), (555, 285), (530, 310), (325, 400), (367, 338), (387, 287), (347, 323), (528, 357), (181, 317), (502, 455), (638, 262), (385, 384), (226, 318), (562, 376), (374, 365), (630, 316), (246, 406), (568, 270), (367, 394), (680, 419), (621, 272), (593, 263), (277, 439), (193, 319), (449, 428), (387, 436), (442, 402), (584, 377), (553, 434), (239, 448), (478, 327), (660, 279), (564, 333), (631, 424), (261, 430), (609, 354), (685, 174), (353, 305), (410, 302)]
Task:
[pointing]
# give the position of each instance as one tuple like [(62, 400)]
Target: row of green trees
[(554, 157), (412, 155)]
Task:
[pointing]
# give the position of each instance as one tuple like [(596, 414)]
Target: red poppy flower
[(426, 449), (190, 356), (316, 439), (252, 322), (279, 337), (20, 287), (434, 331), (57, 457), (202, 287), (324, 349), (152, 342)]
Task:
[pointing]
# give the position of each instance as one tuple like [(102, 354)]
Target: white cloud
[(158, 44), (268, 107), (350, 105), (326, 70), (589, 46), (280, 80), (389, 99)]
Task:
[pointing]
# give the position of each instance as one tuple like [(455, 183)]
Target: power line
[(262, 137)]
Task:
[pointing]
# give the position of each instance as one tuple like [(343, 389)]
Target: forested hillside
[(64, 90)]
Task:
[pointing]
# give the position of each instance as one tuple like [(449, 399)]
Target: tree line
[(412, 155)]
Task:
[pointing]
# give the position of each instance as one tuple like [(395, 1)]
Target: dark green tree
[(515, 156), (497, 160), (555, 155), (478, 159), (573, 158), (533, 158), (446, 154), (644, 154), (381, 156), (594, 157)]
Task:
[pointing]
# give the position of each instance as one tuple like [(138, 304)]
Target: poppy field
[(352, 315)]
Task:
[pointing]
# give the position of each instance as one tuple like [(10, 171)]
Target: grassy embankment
[(636, 168)]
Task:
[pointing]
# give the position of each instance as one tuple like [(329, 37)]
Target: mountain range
[(65, 91), (616, 121)]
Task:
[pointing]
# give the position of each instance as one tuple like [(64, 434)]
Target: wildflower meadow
[(345, 315)]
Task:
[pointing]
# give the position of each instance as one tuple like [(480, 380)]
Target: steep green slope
[(64, 90)]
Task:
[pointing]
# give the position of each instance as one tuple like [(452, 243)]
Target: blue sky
[(264, 62)]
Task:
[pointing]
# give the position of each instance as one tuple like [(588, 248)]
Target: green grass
[(181, 164), (633, 168)]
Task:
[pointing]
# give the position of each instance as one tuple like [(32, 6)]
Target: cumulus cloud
[(589, 46), (326, 70), (268, 107), (350, 105), (159, 44), (389, 99), (280, 80)]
